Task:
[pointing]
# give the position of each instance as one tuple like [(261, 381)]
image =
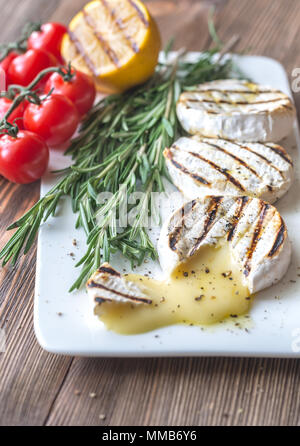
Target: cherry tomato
[(23, 159), (55, 119), (4, 64), (80, 89), (17, 114), (7, 60), (48, 38), (24, 68)]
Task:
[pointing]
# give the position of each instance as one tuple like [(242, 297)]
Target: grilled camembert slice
[(236, 109), (253, 229), (107, 284), (200, 166)]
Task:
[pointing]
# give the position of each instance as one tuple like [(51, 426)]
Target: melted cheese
[(205, 290)]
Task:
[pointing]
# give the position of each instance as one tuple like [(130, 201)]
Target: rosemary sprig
[(119, 148)]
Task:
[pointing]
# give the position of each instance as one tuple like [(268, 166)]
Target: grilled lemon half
[(115, 41)]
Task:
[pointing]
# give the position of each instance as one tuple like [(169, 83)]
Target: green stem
[(27, 91), (21, 44)]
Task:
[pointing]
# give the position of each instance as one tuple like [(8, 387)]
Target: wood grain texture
[(38, 388)]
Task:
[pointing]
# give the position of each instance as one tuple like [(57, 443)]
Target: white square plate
[(65, 324)]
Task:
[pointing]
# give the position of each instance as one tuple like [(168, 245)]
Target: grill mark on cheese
[(100, 300), (119, 22), (93, 284), (242, 204), (173, 239), (187, 209), (287, 106), (280, 237), (209, 221), (222, 170), (224, 91), (260, 156), (264, 207), (104, 44), (239, 160), (224, 101), (109, 270), (179, 166), (277, 149), (80, 50), (207, 110), (174, 236)]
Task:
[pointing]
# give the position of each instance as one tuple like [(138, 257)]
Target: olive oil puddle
[(203, 291)]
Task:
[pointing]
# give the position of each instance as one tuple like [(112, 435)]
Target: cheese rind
[(237, 110)]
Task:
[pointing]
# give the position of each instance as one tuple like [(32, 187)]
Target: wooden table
[(37, 388)]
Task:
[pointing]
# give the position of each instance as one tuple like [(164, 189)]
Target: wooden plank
[(266, 28), (39, 388), (27, 387), (30, 377), (14, 15), (186, 391)]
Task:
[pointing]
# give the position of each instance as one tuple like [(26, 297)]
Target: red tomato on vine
[(24, 158), (48, 38), (25, 67), (80, 89), (55, 119)]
